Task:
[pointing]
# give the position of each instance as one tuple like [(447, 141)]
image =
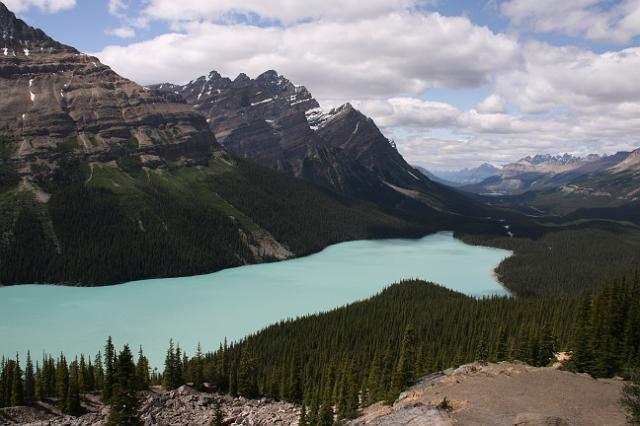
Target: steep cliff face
[(261, 119), (56, 99)]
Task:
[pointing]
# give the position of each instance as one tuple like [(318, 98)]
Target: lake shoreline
[(235, 302)]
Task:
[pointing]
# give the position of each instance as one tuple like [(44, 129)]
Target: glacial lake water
[(234, 302)]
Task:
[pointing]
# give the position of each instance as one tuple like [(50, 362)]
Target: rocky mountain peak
[(19, 39), (563, 159), (57, 101), (241, 78)]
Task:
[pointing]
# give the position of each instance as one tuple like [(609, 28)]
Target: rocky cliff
[(57, 100), (502, 394), (271, 121)]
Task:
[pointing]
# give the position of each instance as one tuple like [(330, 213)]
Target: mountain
[(593, 187), (435, 178), (468, 176), (57, 100), (104, 181), (279, 125), (540, 172)]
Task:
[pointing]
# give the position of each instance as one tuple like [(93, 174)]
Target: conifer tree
[(72, 406), (142, 371), (631, 398), (547, 346), (17, 385), (403, 372), (83, 373), (198, 369), (247, 376), (98, 372), (29, 381), (62, 382), (109, 370), (302, 421), (326, 414), (124, 405), (218, 415)]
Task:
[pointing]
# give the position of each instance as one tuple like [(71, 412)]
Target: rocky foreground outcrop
[(475, 394), (503, 394), (183, 406)]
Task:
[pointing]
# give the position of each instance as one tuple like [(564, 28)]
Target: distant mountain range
[(104, 181), (561, 184), (465, 176)]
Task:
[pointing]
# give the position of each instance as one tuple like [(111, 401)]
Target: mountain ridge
[(103, 181)]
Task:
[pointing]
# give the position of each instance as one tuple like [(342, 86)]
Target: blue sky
[(456, 83)]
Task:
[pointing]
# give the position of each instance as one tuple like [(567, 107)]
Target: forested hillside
[(566, 259), (105, 224)]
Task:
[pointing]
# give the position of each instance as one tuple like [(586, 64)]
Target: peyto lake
[(234, 302)]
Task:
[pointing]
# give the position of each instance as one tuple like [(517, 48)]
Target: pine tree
[(124, 405), (482, 351), (83, 373), (347, 406), (62, 383), (247, 375), (29, 381), (172, 376), (501, 351), (72, 406), (631, 398), (233, 381), (142, 371), (98, 372), (218, 415), (403, 372), (198, 369), (582, 356), (326, 415), (17, 385), (547, 345), (109, 370), (302, 421)]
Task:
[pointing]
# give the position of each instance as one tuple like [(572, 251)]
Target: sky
[(454, 83)]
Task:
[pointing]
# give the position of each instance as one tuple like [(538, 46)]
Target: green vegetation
[(631, 398), (564, 262), (8, 174), (106, 224), (66, 384)]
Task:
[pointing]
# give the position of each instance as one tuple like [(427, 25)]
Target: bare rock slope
[(56, 100), (503, 394)]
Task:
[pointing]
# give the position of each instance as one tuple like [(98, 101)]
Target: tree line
[(114, 375)]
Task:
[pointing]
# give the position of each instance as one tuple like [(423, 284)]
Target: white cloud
[(595, 19), (49, 6), (569, 77), (122, 32), (288, 11), (390, 55), (117, 7), (492, 104), (410, 113)]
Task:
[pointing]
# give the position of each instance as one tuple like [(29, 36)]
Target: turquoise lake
[(234, 302)]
